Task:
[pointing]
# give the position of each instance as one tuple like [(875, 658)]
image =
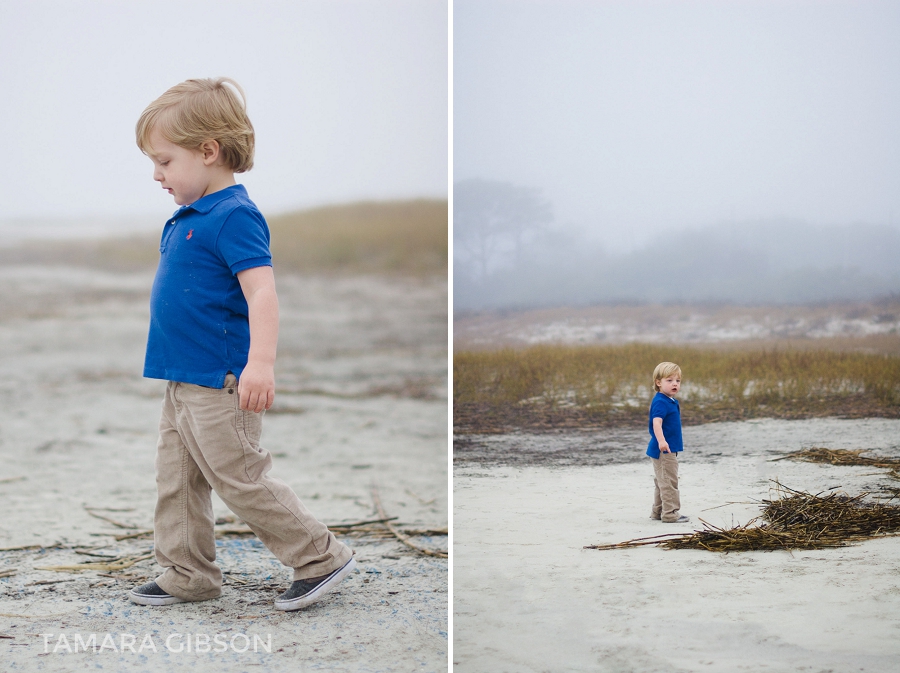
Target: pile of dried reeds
[(819, 454), (794, 520)]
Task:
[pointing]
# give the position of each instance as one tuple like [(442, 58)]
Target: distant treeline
[(508, 255)]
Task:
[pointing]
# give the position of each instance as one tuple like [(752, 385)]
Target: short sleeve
[(658, 408), (243, 241)]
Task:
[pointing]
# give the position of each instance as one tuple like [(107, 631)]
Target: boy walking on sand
[(665, 443), (213, 333)]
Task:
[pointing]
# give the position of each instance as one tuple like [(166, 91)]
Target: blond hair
[(199, 110), (663, 371)]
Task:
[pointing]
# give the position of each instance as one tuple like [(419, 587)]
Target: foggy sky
[(349, 99), (637, 117)]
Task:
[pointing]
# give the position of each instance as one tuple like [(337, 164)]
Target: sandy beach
[(529, 598), (871, 326), (361, 407)]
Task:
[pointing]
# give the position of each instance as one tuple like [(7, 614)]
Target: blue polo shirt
[(199, 327), (666, 408)]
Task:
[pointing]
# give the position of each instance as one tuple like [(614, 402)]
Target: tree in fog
[(493, 221)]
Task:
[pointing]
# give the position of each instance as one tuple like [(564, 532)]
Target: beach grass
[(547, 387), (379, 237), (393, 237)]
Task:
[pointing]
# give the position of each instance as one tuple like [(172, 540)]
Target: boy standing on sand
[(213, 333), (665, 443)]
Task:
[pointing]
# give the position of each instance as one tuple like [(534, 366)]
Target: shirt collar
[(666, 397), (210, 201)]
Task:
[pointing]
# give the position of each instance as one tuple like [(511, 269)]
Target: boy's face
[(181, 172), (670, 385)]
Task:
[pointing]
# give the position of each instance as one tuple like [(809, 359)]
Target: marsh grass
[(394, 237), (126, 253), (390, 237), (546, 387)]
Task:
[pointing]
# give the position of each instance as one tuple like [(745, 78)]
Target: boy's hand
[(663, 446), (256, 387)]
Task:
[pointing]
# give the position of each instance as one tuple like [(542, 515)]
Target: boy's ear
[(210, 151)]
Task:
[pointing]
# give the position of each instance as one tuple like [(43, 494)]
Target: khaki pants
[(206, 442), (666, 499)]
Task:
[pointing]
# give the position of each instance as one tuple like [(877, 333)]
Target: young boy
[(665, 443), (213, 332)]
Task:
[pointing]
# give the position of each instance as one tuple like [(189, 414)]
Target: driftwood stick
[(128, 536), (27, 547), (622, 545), (244, 530), (403, 537), (10, 480), (117, 524), (338, 526), (43, 582), (90, 553)]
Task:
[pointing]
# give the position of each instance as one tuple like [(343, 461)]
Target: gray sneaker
[(304, 592), (152, 594), (681, 519)]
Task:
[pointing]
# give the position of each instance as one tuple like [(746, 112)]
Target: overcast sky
[(349, 99), (637, 116)]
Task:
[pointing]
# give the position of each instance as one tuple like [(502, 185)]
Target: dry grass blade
[(9, 572), (889, 493), (794, 520), (120, 564), (420, 498)]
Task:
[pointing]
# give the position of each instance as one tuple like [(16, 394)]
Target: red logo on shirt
[(190, 233)]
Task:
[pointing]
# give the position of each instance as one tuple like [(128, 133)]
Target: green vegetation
[(548, 387)]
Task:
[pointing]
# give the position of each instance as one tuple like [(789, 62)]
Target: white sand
[(689, 324), (361, 400), (528, 597)]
